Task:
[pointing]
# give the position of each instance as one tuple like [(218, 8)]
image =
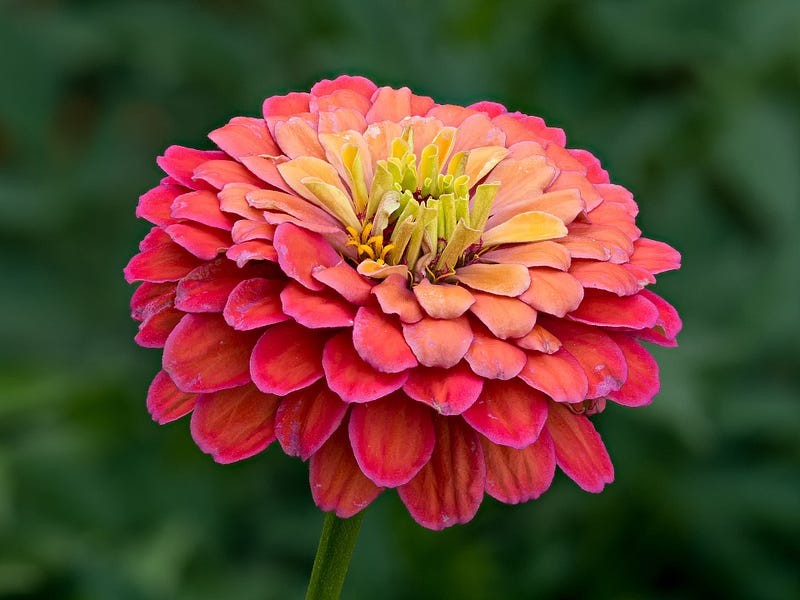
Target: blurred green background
[(695, 106)]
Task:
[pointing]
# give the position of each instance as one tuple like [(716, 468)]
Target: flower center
[(419, 215)]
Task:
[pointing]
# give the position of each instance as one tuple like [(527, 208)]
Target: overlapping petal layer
[(409, 295)]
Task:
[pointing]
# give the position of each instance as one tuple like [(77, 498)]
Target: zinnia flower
[(409, 295)]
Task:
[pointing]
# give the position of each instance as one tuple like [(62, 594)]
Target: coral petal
[(553, 292), (539, 339), (449, 488), (668, 322), (494, 359), (533, 254), (204, 242), (307, 418), (449, 391), (509, 413), (254, 303), (345, 280), (204, 354), (352, 378), (201, 207), (155, 204), (389, 105), (301, 252), (297, 138), (379, 341), (206, 288), (643, 381), (514, 476), (654, 256), (438, 342), (443, 301), (634, 312), (156, 327), (287, 357), (579, 450), (605, 276), (392, 439), (179, 163), (165, 402), (244, 136), (337, 482), (559, 375), (160, 260), (504, 317), (234, 424), (316, 309), (395, 298)]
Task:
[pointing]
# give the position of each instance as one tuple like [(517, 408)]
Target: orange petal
[(532, 226), (155, 204), (552, 292), (204, 242), (219, 173), (345, 280), (302, 252), (559, 375), (438, 342), (514, 476), (500, 279), (442, 301), (654, 256), (504, 317), (494, 359), (539, 339), (316, 309), (297, 138), (244, 136), (605, 276), (533, 254), (395, 298)]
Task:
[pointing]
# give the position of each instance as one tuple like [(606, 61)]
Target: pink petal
[(266, 169), (559, 375), (392, 439), (352, 378), (509, 413), (316, 309), (594, 171), (155, 204), (605, 276), (504, 317), (245, 230), (492, 109), (234, 424), (494, 359), (287, 357), (156, 327), (283, 106), (219, 173), (395, 298), (601, 359), (654, 256), (204, 242), (307, 418), (449, 488), (443, 301), (309, 216), (618, 244), (201, 207), (668, 323), (301, 252), (337, 482), (449, 391), (361, 85), (341, 99), (634, 312), (254, 303), (203, 354), (148, 294), (514, 476), (206, 288), (552, 291), (163, 260), (389, 105), (346, 281), (643, 381), (244, 136), (379, 341), (579, 450), (180, 162), (258, 250), (233, 200), (165, 402), (438, 342)]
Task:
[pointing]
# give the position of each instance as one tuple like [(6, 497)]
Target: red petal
[(179, 163), (148, 295), (254, 303), (259, 250), (579, 450), (553, 292), (379, 340), (307, 418), (204, 242), (245, 230), (449, 391), (201, 207), (494, 359), (509, 413), (316, 309), (654, 256), (353, 379), (203, 354), (600, 357), (156, 327), (514, 476), (302, 252), (438, 342), (287, 357), (283, 106), (449, 488), (668, 323), (505, 317), (346, 281), (395, 298), (337, 482), (643, 381), (155, 205), (605, 276), (165, 402), (392, 439), (635, 312), (206, 288), (559, 375), (234, 424), (443, 301), (161, 260)]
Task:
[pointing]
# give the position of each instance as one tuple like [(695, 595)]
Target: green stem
[(333, 556)]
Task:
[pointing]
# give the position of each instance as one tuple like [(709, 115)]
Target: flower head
[(410, 295)]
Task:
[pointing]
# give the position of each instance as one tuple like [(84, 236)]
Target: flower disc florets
[(417, 296)]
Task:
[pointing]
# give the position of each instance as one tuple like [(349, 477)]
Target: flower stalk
[(335, 548)]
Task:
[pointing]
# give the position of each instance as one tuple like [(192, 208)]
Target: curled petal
[(307, 418), (449, 488), (234, 424), (539, 339), (668, 323), (337, 482), (389, 105), (392, 439), (509, 413), (438, 342), (579, 450), (165, 402), (518, 475), (449, 391), (287, 357)]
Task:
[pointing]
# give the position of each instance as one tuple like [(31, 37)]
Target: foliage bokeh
[(692, 105)]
